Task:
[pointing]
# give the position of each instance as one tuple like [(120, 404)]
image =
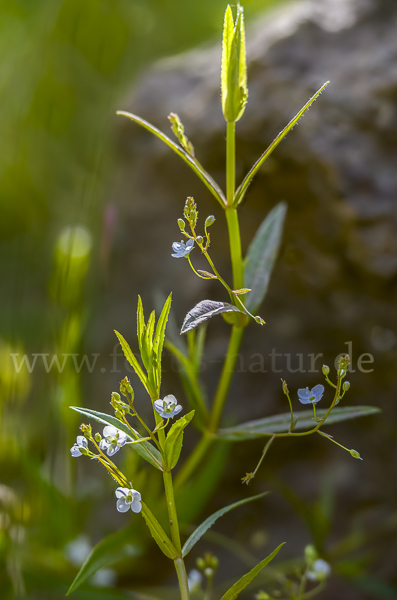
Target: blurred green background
[(65, 67)]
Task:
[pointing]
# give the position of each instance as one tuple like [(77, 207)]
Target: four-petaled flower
[(113, 440), (81, 442), (168, 407), (181, 249), (307, 396), (128, 499)]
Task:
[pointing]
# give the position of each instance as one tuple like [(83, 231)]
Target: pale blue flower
[(319, 571), (81, 442), (168, 407), (307, 396), (181, 249), (194, 580), (113, 440), (128, 498)]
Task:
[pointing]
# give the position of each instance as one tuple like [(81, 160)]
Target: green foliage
[(242, 583), (243, 187), (281, 423), (174, 439), (262, 255), (192, 162), (108, 551), (146, 450), (200, 531), (234, 89), (158, 534), (203, 311)]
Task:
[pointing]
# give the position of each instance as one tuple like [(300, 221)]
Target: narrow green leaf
[(158, 533), (242, 583), (262, 255), (140, 320), (281, 423), (132, 360), (199, 532), (147, 343), (192, 162), (227, 38), (110, 550), (203, 311), (159, 336), (242, 189), (173, 442), (145, 449)]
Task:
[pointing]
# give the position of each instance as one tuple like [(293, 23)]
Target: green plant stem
[(182, 578), (230, 162), (266, 448), (235, 247), (226, 377)]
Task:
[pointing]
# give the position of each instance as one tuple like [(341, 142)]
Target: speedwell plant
[(159, 442)]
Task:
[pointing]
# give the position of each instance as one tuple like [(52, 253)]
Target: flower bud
[(234, 89), (214, 562), (98, 437), (115, 397), (355, 454), (200, 563), (285, 388), (310, 553), (190, 211), (325, 370), (209, 221), (181, 224), (86, 430), (346, 386), (199, 240), (208, 572)]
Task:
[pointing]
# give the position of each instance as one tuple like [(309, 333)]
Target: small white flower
[(128, 499), (319, 571), (168, 407), (194, 580), (81, 442), (113, 439)]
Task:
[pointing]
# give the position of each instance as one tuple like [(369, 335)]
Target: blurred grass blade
[(192, 383), (140, 321), (111, 549), (262, 255), (159, 336), (158, 533), (132, 360), (242, 189), (145, 449), (242, 583), (173, 442), (281, 423), (194, 538), (192, 162), (203, 311)]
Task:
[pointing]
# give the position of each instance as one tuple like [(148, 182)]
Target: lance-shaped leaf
[(192, 162), (132, 360), (199, 532), (281, 423), (242, 583), (242, 189), (108, 551), (173, 442), (262, 255), (158, 534), (159, 336), (203, 311), (145, 449)]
